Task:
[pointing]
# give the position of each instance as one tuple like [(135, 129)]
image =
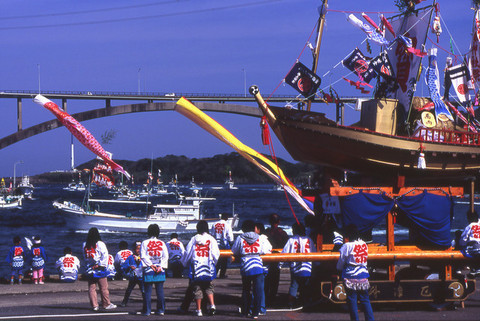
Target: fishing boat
[(10, 202), (25, 188), (430, 143), (182, 216), (75, 187)]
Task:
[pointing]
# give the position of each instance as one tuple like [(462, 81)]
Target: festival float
[(400, 137)]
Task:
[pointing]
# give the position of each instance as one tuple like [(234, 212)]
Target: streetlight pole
[(15, 173), (38, 69), (244, 81), (138, 74)]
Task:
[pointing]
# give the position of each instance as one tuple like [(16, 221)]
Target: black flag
[(358, 63), (303, 80), (382, 66)]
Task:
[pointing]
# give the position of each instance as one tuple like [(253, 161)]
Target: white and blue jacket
[(201, 256), (249, 246), (68, 267), (300, 244), (153, 252), (353, 260)]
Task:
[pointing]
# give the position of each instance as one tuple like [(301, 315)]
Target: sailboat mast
[(321, 24)]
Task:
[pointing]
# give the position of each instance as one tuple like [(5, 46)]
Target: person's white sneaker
[(199, 313), (111, 306)]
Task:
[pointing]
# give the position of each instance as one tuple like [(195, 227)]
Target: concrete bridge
[(147, 102)]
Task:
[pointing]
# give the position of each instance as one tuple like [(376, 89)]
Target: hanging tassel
[(265, 131), (421, 159), (436, 26)]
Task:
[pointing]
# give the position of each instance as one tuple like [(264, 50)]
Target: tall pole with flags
[(321, 24)]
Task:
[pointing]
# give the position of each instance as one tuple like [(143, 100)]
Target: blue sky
[(179, 46)]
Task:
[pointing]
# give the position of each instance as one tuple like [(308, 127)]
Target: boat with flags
[(398, 134)]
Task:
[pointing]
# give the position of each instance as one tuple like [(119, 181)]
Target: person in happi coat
[(201, 256), (121, 257), (248, 247), (38, 257), (154, 255), (352, 265), (176, 250), (68, 266), (469, 242), (95, 253), (300, 272), (132, 268), (222, 232), (16, 260)]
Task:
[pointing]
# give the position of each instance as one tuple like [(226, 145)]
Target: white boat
[(181, 217), (75, 187), (25, 188), (8, 202), (125, 194)]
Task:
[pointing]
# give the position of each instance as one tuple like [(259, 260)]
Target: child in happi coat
[(132, 268), (154, 255), (68, 266), (38, 259), (176, 250), (469, 243), (16, 259), (201, 256), (300, 272), (353, 266), (121, 257), (260, 230), (248, 247), (222, 232)]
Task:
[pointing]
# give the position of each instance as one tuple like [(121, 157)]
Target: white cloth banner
[(405, 64)]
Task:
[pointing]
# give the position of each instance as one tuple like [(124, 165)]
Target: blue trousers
[(148, 297), (252, 284), (362, 296)]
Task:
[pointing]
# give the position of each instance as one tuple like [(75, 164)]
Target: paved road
[(70, 302)]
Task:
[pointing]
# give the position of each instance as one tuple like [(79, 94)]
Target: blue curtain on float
[(365, 210), (431, 214)]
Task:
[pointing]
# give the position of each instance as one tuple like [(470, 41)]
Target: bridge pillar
[(19, 114), (64, 104), (108, 106)]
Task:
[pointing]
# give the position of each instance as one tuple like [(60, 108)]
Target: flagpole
[(318, 43)]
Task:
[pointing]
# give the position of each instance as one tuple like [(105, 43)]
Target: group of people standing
[(147, 265)]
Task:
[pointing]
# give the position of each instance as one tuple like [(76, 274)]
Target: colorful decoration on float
[(433, 82), (372, 34), (190, 111), (303, 80)]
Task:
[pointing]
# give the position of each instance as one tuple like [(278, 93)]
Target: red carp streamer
[(80, 132)]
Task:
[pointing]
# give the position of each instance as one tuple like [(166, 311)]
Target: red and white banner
[(474, 61), (80, 132), (405, 64)]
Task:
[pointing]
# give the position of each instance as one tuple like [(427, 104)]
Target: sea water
[(37, 217)]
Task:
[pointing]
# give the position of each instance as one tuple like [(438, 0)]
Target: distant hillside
[(205, 170)]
